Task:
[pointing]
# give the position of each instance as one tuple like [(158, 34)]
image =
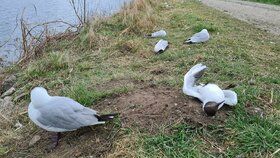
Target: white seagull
[(160, 33), (211, 96), (199, 37), (61, 114), (161, 46)]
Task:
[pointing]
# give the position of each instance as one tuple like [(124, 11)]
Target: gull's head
[(204, 31), (211, 108), (39, 95)]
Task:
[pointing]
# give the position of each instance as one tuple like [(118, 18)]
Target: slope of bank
[(111, 67)]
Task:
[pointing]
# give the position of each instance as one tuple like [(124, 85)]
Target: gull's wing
[(199, 37), (161, 46), (160, 33), (65, 113), (191, 78), (230, 97)]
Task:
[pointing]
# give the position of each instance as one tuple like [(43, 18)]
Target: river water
[(40, 11)]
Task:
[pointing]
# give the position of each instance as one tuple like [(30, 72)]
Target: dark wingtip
[(106, 117), (160, 51), (148, 36), (188, 42)]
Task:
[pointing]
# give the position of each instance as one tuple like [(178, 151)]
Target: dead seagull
[(161, 46), (61, 114), (160, 33), (199, 37), (211, 96)]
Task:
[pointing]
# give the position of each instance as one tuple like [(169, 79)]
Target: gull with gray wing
[(161, 46), (160, 33), (211, 95), (199, 37), (61, 114)]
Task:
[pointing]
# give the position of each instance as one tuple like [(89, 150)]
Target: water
[(40, 11)]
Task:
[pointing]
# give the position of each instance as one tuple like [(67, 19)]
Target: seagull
[(160, 33), (199, 37), (61, 114), (211, 95), (161, 46)]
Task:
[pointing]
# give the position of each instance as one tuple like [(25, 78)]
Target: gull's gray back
[(65, 113), (200, 37)]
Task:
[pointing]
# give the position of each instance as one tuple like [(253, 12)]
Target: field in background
[(275, 2), (111, 67)]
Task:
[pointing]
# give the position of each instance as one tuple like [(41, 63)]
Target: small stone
[(7, 107), (175, 104), (77, 153), (18, 125), (252, 82), (97, 140), (34, 140), (6, 102), (8, 92), (256, 111)]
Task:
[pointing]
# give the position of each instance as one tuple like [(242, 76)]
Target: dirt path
[(263, 16)]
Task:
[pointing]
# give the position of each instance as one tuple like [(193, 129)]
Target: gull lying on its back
[(199, 37), (160, 33), (161, 46), (61, 114), (211, 96)]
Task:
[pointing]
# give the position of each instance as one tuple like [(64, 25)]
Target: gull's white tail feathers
[(230, 97)]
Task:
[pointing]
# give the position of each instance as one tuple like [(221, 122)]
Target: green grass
[(107, 59), (276, 2), (87, 97), (180, 143)]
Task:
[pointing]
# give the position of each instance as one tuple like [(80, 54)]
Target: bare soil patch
[(150, 108)]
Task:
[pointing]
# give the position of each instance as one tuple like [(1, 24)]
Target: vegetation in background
[(276, 2), (111, 56)]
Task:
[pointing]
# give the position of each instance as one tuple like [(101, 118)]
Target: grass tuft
[(180, 143), (51, 63), (138, 17)]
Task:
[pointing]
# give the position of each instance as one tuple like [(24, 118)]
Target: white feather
[(230, 97)]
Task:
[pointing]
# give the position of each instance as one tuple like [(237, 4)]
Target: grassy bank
[(110, 64), (275, 2)]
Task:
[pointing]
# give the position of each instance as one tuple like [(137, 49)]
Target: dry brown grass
[(95, 39), (139, 16), (125, 147)]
